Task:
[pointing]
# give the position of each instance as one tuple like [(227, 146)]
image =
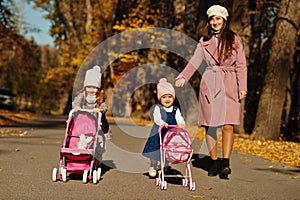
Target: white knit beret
[(218, 11), (93, 77)]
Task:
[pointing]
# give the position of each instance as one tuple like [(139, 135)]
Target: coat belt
[(224, 68)]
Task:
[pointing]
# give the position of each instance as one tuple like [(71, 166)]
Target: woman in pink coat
[(223, 84)]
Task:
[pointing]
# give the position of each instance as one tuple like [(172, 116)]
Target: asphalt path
[(26, 165)]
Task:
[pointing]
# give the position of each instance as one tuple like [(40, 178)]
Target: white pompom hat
[(164, 87), (218, 11), (93, 77)]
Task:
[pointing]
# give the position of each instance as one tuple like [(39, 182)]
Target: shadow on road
[(171, 180), (291, 172), (107, 165), (201, 161)]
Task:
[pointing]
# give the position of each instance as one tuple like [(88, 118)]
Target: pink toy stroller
[(83, 143), (175, 148)]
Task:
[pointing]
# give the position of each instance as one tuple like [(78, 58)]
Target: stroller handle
[(91, 111), (169, 126)]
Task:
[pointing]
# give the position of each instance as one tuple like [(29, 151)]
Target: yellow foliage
[(277, 151)]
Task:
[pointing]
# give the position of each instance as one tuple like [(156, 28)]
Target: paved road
[(26, 165)]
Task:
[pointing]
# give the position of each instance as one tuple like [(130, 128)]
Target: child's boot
[(214, 169), (152, 168), (152, 171), (225, 169)]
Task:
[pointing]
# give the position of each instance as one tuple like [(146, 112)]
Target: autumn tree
[(7, 35), (273, 95), (142, 14), (19, 59), (262, 16), (78, 27)]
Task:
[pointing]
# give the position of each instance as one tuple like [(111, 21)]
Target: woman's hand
[(179, 81), (242, 94)]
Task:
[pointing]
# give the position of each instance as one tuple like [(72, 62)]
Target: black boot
[(214, 169), (225, 169)]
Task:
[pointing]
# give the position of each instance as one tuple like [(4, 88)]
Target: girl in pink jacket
[(222, 87)]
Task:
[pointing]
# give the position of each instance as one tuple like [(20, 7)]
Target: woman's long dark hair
[(226, 39)]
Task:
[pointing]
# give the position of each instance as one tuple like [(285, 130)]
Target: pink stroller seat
[(82, 123), (177, 145), (82, 147)]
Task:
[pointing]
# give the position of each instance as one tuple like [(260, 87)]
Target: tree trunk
[(89, 16), (268, 118)]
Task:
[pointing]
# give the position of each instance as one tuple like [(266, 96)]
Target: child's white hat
[(218, 11), (164, 87), (93, 77)]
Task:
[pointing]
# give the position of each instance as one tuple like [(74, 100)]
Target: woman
[(223, 84)]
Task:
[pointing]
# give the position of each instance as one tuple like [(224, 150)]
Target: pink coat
[(220, 83)]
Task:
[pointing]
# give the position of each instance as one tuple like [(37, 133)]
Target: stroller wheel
[(54, 175), (192, 186), (184, 182), (163, 185), (99, 173), (85, 176), (157, 181), (95, 177), (64, 175)]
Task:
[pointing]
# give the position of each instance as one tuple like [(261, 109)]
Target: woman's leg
[(227, 145), (211, 141), (227, 140)]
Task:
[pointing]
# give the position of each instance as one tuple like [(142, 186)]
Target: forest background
[(42, 77)]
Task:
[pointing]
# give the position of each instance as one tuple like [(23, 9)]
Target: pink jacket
[(220, 83)]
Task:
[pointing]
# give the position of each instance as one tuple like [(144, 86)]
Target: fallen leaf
[(293, 177), (198, 196)]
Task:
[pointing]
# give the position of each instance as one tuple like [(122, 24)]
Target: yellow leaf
[(198, 196), (270, 166)]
